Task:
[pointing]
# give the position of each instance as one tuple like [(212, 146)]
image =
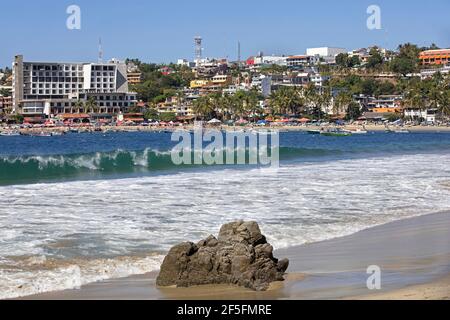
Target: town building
[(46, 89), (134, 78), (386, 104), (318, 79), (256, 63), (5, 104), (263, 84), (326, 54), (429, 73), (418, 114), (301, 61), (185, 63), (177, 106), (222, 80), (200, 83), (435, 57)]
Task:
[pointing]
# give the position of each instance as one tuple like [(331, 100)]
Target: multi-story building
[(255, 63), (325, 51), (429, 73), (318, 79), (263, 84), (46, 89), (221, 80), (134, 78), (326, 54), (301, 61), (419, 114), (5, 104), (435, 57), (393, 103), (175, 105)]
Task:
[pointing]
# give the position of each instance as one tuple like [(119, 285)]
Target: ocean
[(81, 208)]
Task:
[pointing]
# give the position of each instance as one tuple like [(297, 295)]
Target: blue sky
[(162, 31)]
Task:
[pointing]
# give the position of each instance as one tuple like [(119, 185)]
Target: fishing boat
[(314, 131), (9, 133), (357, 131), (402, 131), (41, 134), (335, 133)]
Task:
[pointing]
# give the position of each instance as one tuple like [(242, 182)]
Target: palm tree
[(444, 104), (203, 107), (78, 106), (229, 106), (287, 100), (341, 102), (415, 97), (324, 100), (252, 103), (313, 99), (91, 104)]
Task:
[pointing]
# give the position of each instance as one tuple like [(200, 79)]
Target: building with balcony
[(420, 114), (429, 73), (393, 103), (176, 106), (134, 78), (221, 80), (435, 57), (5, 104), (318, 79), (49, 88), (301, 61)]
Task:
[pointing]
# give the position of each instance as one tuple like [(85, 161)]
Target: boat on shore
[(41, 134), (357, 131), (402, 131), (314, 131), (10, 133), (335, 133)]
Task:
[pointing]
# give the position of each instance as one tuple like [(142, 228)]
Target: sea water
[(82, 208)]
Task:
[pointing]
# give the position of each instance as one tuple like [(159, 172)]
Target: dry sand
[(413, 254)]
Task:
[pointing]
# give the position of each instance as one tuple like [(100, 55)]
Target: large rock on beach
[(239, 256)]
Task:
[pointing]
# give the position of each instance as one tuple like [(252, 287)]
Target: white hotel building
[(51, 88)]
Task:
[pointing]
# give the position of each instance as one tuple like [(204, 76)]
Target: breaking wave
[(26, 169)]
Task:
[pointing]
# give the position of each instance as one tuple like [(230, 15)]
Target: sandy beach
[(413, 254), (368, 127)]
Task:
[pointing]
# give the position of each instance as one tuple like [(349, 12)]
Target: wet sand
[(413, 254)]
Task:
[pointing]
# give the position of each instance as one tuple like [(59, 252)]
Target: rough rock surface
[(239, 256)]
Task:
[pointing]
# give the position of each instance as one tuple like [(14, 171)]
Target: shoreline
[(304, 128), (413, 254)]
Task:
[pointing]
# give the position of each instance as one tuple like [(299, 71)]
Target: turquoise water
[(85, 207), (117, 155)]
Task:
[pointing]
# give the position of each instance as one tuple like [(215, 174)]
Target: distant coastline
[(369, 127)]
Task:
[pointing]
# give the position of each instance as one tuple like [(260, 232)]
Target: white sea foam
[(26, 279), (297, 204)]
